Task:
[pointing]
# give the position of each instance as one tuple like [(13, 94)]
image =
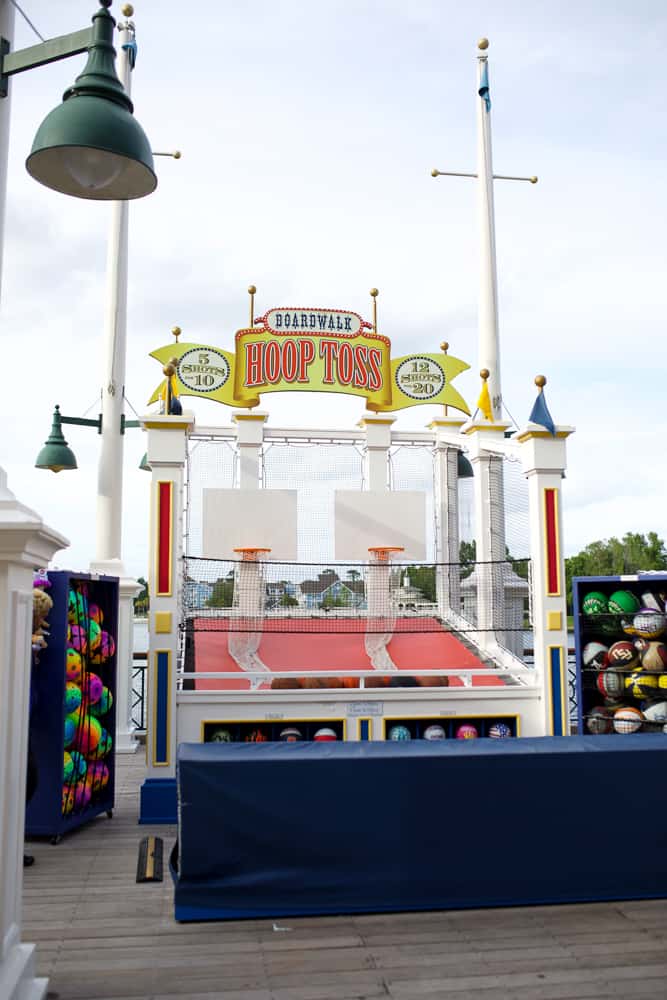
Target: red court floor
[(340, 651)]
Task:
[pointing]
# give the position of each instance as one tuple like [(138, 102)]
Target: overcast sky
[(308, 133)]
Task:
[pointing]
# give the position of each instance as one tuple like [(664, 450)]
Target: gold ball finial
[(176, 330), (444, 346), (169, 369), (484, 373), (374, 292), (435, 172), (483, 43), (533, 179), (540, 381), (127, 10), (177, 154), (251, 289)]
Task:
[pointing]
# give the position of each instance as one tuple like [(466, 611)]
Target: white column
[(489, 345), (489, 530), (108, 549), (250, 439), (25, 544), (167, 452), (544, 461), (376, 455), (448, 575)]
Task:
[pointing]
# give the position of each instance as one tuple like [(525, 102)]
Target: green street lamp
[(56, 455), (90, 146)]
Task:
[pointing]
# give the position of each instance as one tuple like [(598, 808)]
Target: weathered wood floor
[(100, 935)]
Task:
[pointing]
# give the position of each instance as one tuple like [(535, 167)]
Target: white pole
[(108, 548), (6, 32), (489, 349), (110, 468)]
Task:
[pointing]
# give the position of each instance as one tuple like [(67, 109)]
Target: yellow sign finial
[(176, 330), (251, 292), (374, 294), (444, 347), (540, 381), (484, 373)]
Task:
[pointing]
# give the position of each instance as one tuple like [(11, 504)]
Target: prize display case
[(73, 714), (263, 731), (620, 634)]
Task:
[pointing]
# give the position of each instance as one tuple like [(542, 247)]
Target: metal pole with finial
[(251, 292), (444, 347), (374, 294)]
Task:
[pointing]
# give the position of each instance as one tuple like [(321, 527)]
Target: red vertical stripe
[(551, 517), (164, 539)]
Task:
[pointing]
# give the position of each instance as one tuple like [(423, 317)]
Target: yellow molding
[(155, 761), (445, 422), (154, 425), (162, 621), (527, 435), (554, 621), (498, 428), (259, 417)]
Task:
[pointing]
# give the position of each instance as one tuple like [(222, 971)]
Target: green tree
[(423, 578), (222, 595), (467, 558), (633, 553), (141, 602), (287, 601)]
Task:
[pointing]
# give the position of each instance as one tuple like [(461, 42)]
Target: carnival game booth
[(395, 637)]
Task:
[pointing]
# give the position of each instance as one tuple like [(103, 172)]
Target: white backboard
[(363, 519), (239, 518)]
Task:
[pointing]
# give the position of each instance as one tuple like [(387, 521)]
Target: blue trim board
[(158, 801), (161, 708), (556, 671), (364, 729)]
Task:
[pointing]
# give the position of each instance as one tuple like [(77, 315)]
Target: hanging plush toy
[(41, 605)]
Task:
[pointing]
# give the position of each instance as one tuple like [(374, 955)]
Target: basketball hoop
[(250, 554), (383, 552)]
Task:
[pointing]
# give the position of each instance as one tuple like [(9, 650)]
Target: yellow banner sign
[(312, 350)]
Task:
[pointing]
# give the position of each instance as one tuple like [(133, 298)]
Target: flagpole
[(489, 347)]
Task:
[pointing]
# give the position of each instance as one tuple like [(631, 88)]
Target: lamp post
[(89, 147)]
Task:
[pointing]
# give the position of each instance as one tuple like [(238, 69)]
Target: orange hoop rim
[(250, 552), (382, 552)]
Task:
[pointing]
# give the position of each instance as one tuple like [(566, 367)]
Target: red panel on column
[(553, 554), (164, 538)]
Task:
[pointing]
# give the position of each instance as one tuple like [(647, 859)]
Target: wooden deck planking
[(101, 936)]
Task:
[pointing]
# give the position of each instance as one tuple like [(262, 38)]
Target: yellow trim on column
[(156, 577), (162, 621), (167, 761), (258, 417), (155, 425), (554, 621), (528, 435)]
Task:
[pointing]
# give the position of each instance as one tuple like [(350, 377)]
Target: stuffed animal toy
[(41, 605)]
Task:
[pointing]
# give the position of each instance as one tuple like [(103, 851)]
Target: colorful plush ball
[(78, 639), (68, 768), (599, 720), (655, 712), (68, 799), (594, 603), (467, 732), (622, 655), (594, 654), (399, 733), (94, 635), (623, 602), (82, 795), (256, 736), (103, 747), (105, 649), (610, 683), (500, 731), (434, 732), (88, 735), (627, 720), (325, 735), (291, 735), (98, 777), (652, 655), (72, 697), (73, 666), (103, 704), (69, 731), (77, 608), (639, 684), (95, 614), (647, 624), (79, 764), (220, 736), (92, 687)]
